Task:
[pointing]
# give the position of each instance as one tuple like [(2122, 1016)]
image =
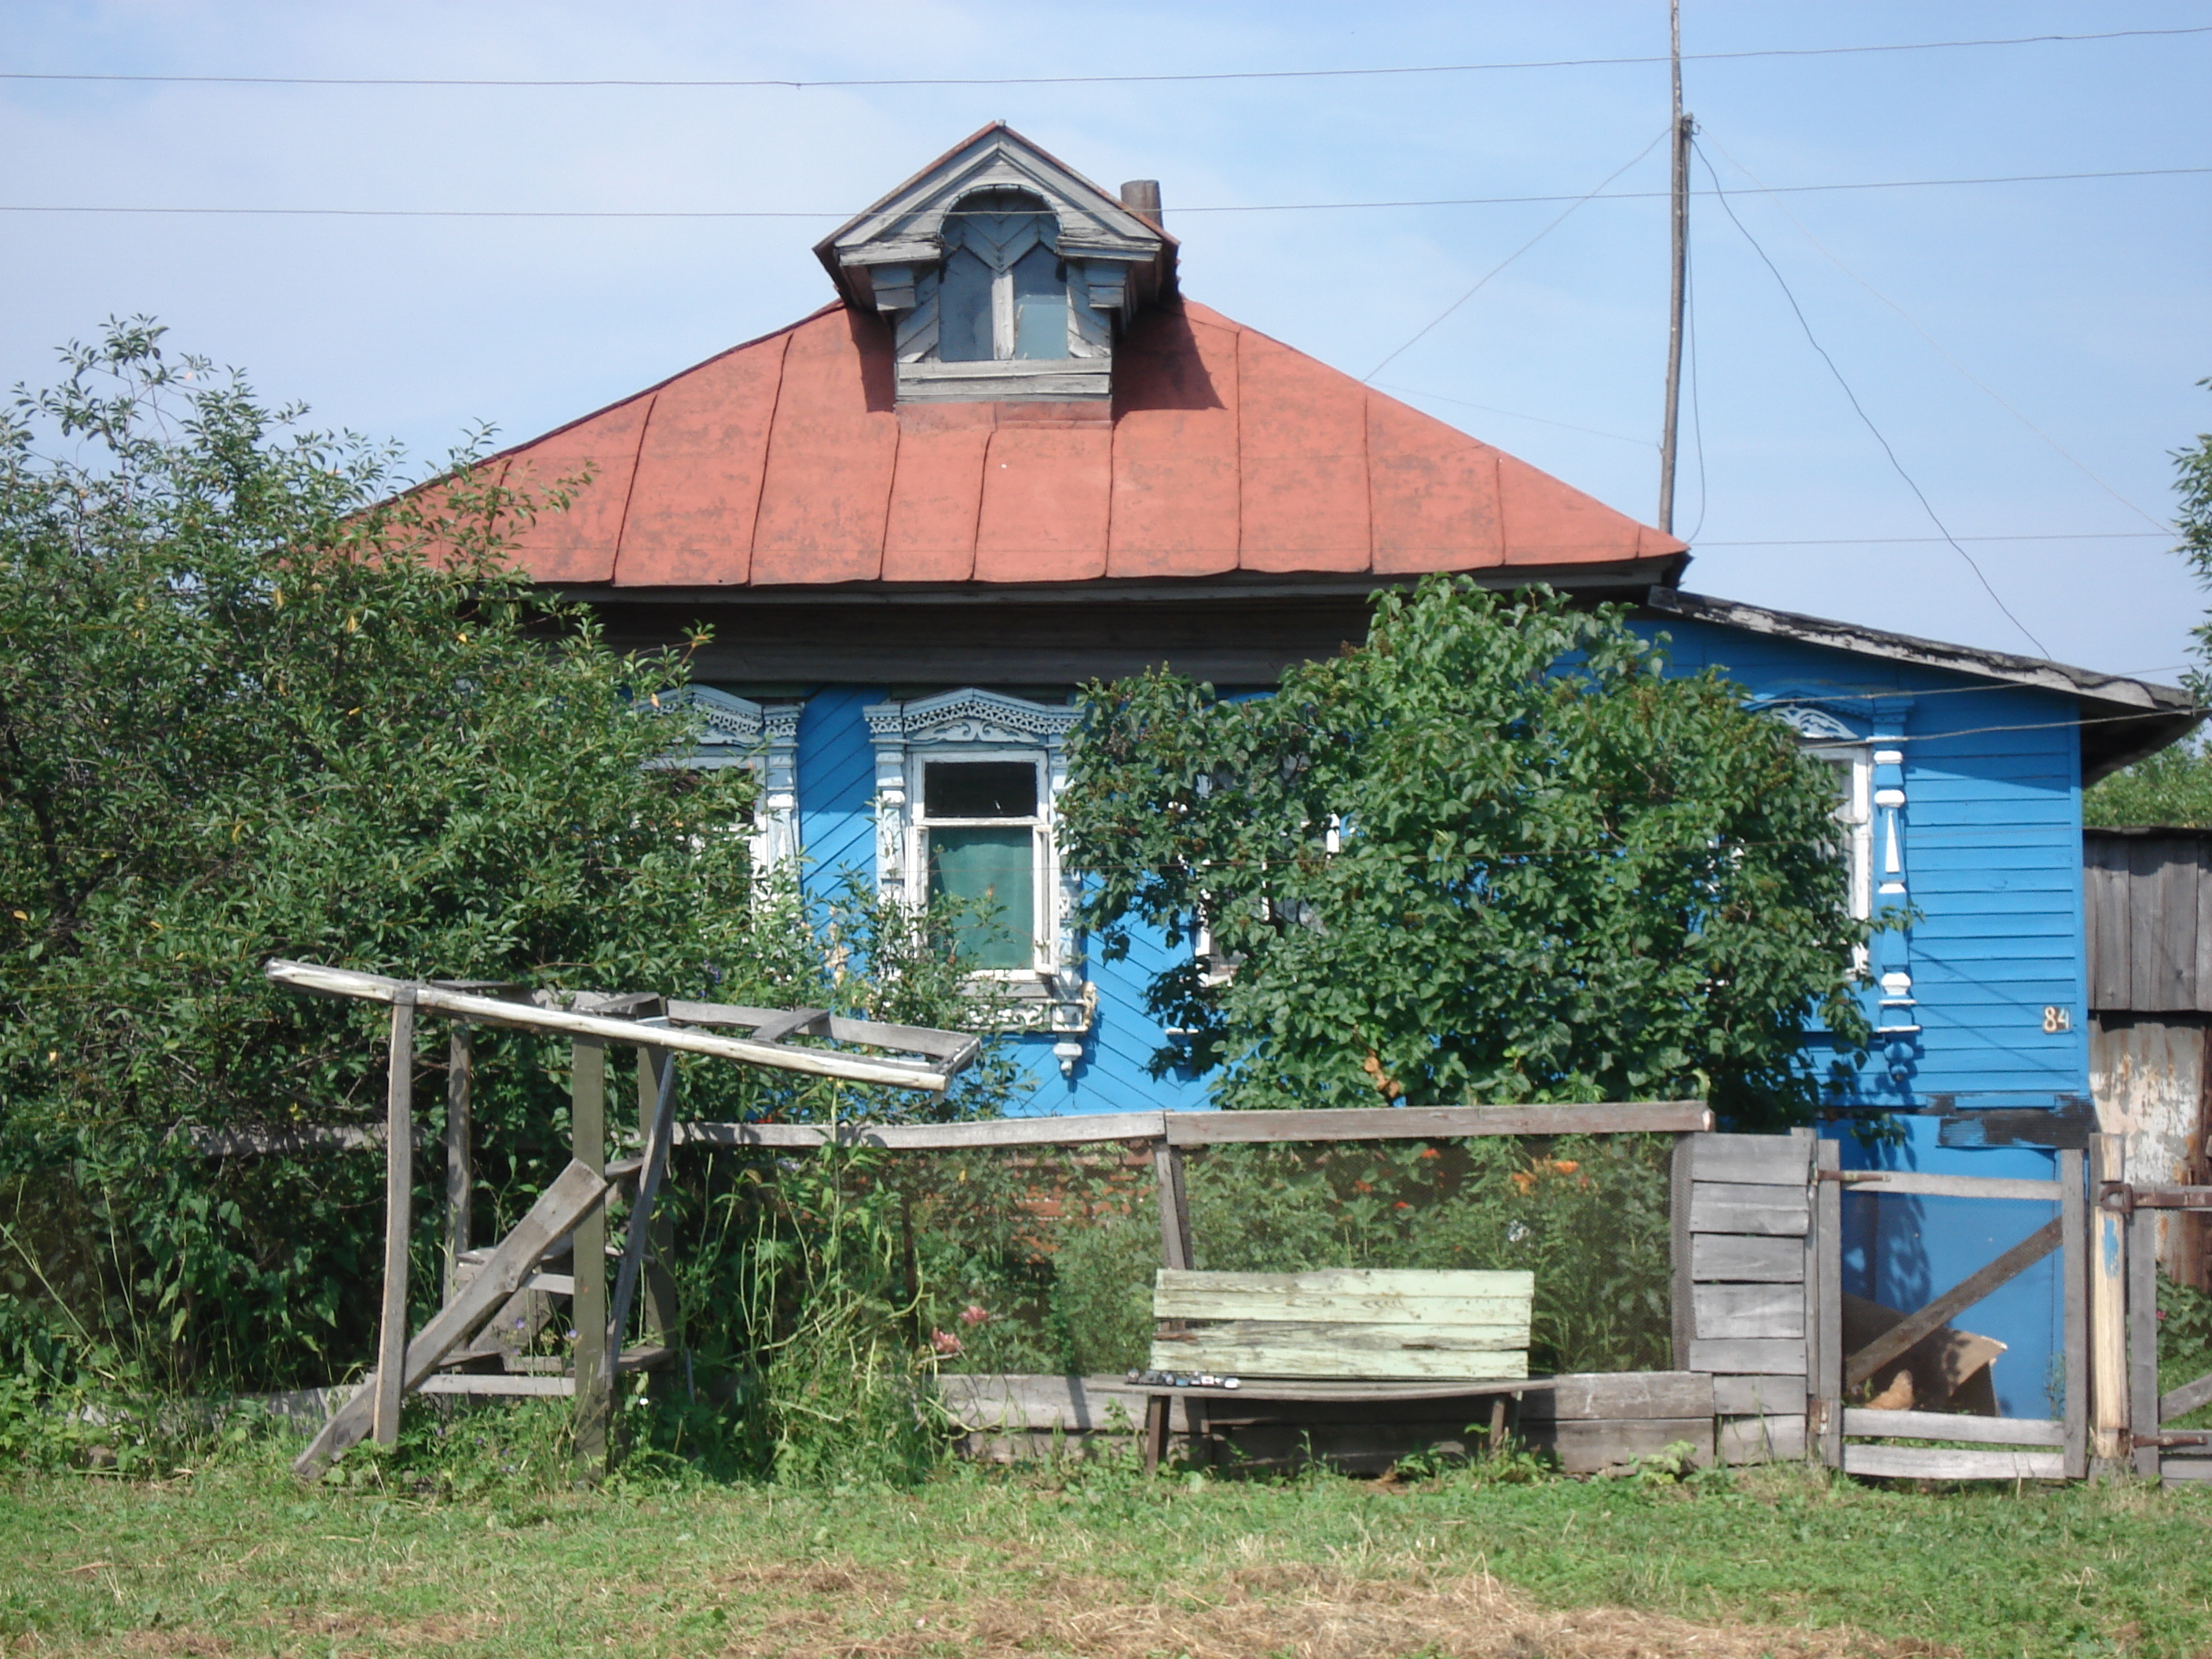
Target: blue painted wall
[(1992, 849), (837, 836), (1990, 839)]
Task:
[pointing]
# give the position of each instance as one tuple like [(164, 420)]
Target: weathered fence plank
[(1937, 1463), (1753, 1160), (1774, 1393), (1717, 1206), (1737, 1258), (1954, 1426), (1759, 1311)]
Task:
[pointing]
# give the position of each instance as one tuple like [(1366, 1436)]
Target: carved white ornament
[(739, 732), (1817, 724)]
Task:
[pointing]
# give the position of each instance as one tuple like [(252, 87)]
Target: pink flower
[(974, 1314), (944, 1342)]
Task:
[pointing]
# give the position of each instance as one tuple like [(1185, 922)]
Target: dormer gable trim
[(900, 257)]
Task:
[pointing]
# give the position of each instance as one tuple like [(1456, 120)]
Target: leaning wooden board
[(1364, 1324)]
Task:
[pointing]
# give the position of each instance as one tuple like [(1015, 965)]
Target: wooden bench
[(1348, 1335)]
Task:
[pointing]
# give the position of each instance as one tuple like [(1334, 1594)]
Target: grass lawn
[(236, 1558)]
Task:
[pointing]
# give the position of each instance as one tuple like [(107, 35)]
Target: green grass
[(237, 1558)]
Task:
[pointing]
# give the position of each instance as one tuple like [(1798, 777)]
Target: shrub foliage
[(1497, 853)]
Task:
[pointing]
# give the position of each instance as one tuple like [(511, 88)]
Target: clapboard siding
[(837, 787)]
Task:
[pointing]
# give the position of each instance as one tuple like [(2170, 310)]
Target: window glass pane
[(979, 789), (1040, 305), (994, 870), (963, 310)]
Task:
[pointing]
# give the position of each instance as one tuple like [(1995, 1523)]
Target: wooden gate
[(2164, 1453), (1997, 1448)]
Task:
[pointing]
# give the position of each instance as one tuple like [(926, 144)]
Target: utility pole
[(1683, 127)]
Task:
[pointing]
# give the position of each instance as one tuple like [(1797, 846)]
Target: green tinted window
[(992, 869)]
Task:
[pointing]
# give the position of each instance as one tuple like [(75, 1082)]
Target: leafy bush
[(1498, 853), (257, 701)]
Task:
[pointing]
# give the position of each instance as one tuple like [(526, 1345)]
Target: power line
[(1243, 207), (1484, 281), (1914, 323), (1943, 541), (779, 83), (1860, 410)]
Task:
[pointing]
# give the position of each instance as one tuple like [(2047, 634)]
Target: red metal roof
[(783, 461)]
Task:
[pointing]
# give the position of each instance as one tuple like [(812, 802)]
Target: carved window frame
[(972, 723), (1827, 738), (763, 738)]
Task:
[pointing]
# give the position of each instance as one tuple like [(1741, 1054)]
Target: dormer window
[(1002, 292), (1004, 276)]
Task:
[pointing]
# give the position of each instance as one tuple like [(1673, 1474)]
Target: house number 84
[(2055, 1019)]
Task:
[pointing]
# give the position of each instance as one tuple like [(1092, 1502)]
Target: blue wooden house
[(1009, 456)]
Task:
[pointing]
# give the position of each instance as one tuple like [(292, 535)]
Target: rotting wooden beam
[(956, 1048), (398, 1214), (1437, 1122), (587, 1304), (519, 1016), (1086, 1129), (461, 1059)]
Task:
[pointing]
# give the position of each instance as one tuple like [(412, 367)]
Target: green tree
[(255, 701), (2173, 787), (1497, 853)]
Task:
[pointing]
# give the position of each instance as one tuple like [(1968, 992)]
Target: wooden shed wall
[(2149, 902)]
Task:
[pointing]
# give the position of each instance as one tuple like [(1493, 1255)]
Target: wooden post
[(1175, 1206), (655, 1069), (2142, 1339), (2108, 1310), (2074, 1271), (1828, 1299), (587, 1307), (1175, 1253), (398, 1194), (1680, 1243), (460, 1058), (658, 1122)]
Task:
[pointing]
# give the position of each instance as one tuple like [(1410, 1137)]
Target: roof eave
[(2123, 720)]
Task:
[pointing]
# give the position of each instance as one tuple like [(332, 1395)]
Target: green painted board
[(1371, 1296), (1357, 1339), (1224, 1352)]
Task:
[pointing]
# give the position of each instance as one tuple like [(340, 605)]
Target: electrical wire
[(1421, 333), (1243, 207), (1081, 80), (1860, 410), (1937, 345), (1942, 541)]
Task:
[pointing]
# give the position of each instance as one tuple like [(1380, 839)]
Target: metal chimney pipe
[(1142, 197)]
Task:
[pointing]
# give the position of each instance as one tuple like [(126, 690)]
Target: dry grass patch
[(1261, 1612)]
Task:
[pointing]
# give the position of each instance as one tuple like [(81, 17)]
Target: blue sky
[(2081, 307)]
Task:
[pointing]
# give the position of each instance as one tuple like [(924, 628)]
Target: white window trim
[(1039, 929), (971, 724), (763, 737)]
